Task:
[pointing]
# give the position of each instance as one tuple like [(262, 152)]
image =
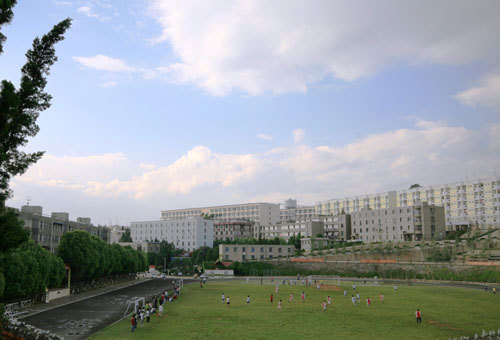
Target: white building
[(467, 203), (187, 233), (292, 212), (262, 213)]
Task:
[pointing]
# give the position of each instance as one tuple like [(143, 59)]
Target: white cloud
[(105, 63), (298, 135), (427, 154), (88, 11), (285, 46), (264, 136), (109, 84), (487, 94)]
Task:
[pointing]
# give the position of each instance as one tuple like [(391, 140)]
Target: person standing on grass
[(228, 301), (353, 286), (368, 301), (418, 315), (381, 297), (494, 290), (324, 305), (277, 288), (303, 296), (395, 289), (148, 315), (345, 293), (223, 298), (329, 299), (133, 322), (290, 299), (141, 316), (279, 306), (160, 310), (271, 298), (357, 297), (248, 300), (353, 299)]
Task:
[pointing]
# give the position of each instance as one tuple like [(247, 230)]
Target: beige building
[(254, 252), (48, 230), (467, 203), (262, 213), (308, 244), (415, 223)]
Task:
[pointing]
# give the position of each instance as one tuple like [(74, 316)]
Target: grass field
[(199, 313)]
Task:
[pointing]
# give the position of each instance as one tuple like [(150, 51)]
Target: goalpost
[(133, 305)]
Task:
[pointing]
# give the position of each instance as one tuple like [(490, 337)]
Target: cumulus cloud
[(487, 94), (264, 136), (429, 153), (105, 63), (285, 46)]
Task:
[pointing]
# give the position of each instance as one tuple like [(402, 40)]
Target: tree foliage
[(91, 258), (30, 269), (126, 237), (6, 15)]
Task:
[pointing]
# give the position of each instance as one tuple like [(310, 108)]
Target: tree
[(126, 237), (19, 109), (416, 185)]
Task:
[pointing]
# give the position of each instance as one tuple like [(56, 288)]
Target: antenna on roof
[(28, 200)]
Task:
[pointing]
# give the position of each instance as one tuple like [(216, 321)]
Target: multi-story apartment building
[(473, 203), (306, 228), (254, 252), (262, 213), (233, 229), (413, 223), (186, 233), (48, 230), (292, 212), (337, 227)]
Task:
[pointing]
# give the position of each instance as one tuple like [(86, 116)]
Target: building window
[(253, 249), (270, 248)]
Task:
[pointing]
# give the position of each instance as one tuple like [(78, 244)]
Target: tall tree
[(19, 110)]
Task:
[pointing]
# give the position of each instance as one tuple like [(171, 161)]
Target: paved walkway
[(79, 316)]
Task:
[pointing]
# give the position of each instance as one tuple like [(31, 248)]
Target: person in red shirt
[(418, 314), (368, 302), (271, 298), (133, 322)]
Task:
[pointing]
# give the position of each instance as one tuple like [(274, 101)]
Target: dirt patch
[(330, 287), (443, 325)]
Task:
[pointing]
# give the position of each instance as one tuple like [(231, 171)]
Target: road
[(81, 319)]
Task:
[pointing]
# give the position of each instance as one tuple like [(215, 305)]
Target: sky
[(163, 104)]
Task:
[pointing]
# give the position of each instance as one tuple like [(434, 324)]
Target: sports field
[(200, 313)]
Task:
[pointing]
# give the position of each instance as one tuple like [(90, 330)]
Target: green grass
[(199, 313)]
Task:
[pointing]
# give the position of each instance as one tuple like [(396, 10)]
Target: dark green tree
[(126, 237), (19, 109)]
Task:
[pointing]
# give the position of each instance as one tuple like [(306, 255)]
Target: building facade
[(473, 203), (233, 229), (306, 228), (414, 223), (48, 230), (292, 212), (186, 233), (262, 213), (254, 252), (337, 227)]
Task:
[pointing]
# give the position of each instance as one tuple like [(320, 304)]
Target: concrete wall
[(59, 293)]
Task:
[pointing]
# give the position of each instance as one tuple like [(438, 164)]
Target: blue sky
[(167, 104)]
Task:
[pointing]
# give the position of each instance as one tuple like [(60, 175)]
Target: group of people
[(156, 305)]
